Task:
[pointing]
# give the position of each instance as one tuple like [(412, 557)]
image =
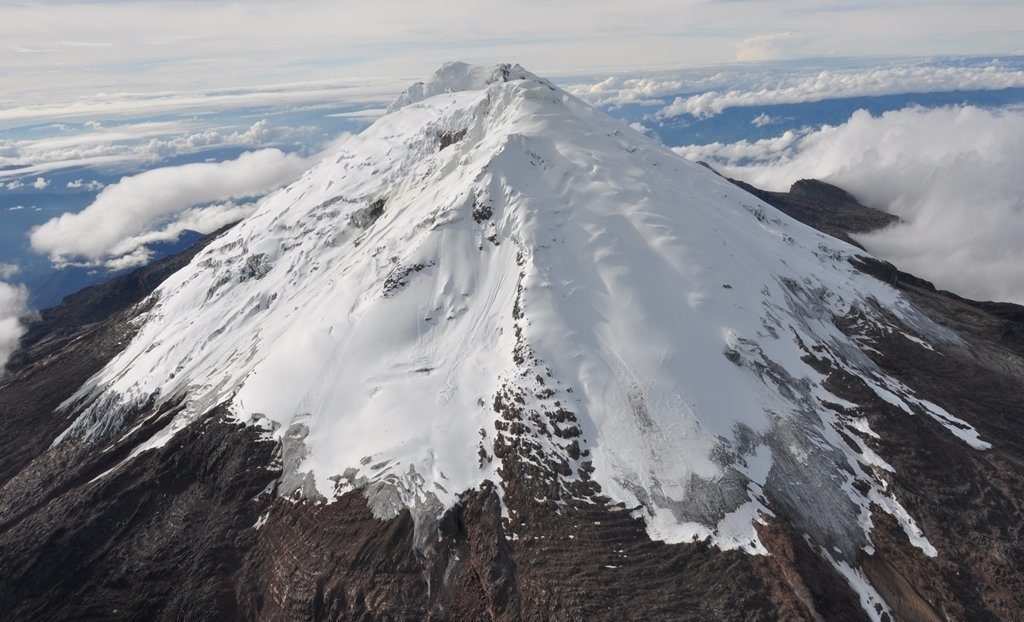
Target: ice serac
[(494, 266)]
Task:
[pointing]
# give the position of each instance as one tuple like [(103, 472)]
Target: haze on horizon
[(54, 50)]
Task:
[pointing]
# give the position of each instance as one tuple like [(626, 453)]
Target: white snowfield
[(366, 315)]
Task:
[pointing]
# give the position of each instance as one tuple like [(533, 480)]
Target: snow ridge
[(494, 247)]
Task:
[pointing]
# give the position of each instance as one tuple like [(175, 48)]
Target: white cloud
[(744, 151), (80, 143), (834, 83), (40, 183), (121, 105), (15, 208), (648, 88), (951, 174), (640, 127), (46, 167), (133, 252), (15, 184), (7, 270), (618, 91), (137, 204), (13, 304), (259, 133), (78, 184), (139, 256), (127, 143), (763, 47), (763, 119)]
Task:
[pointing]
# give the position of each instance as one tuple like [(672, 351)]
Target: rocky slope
[(503, 358), (824, 207)]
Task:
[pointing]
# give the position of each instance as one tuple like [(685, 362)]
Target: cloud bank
[(106, 229), (13, 304), (135, 251), (831, 84), (953, 175), (131, 142), (617, 90)]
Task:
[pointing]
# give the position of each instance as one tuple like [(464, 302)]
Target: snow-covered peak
[(458, 76), (495, 266)]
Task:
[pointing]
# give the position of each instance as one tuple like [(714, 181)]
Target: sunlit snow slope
[(494, 241)]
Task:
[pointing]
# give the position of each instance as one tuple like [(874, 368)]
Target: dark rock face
[(368, 215), (971, 504), (197, 529), (447, 139), (825, 207), (157, 538)]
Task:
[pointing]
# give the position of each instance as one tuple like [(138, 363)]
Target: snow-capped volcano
[(495, 267)]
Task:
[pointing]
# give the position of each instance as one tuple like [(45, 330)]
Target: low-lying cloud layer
[(714, 92), (953, 175), (147, 141), (834, 84), (112, 227), (135, 251)]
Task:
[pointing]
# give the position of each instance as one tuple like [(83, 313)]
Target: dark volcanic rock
[(1000, 323), (825, 207), (970, 503), (159, 537)]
